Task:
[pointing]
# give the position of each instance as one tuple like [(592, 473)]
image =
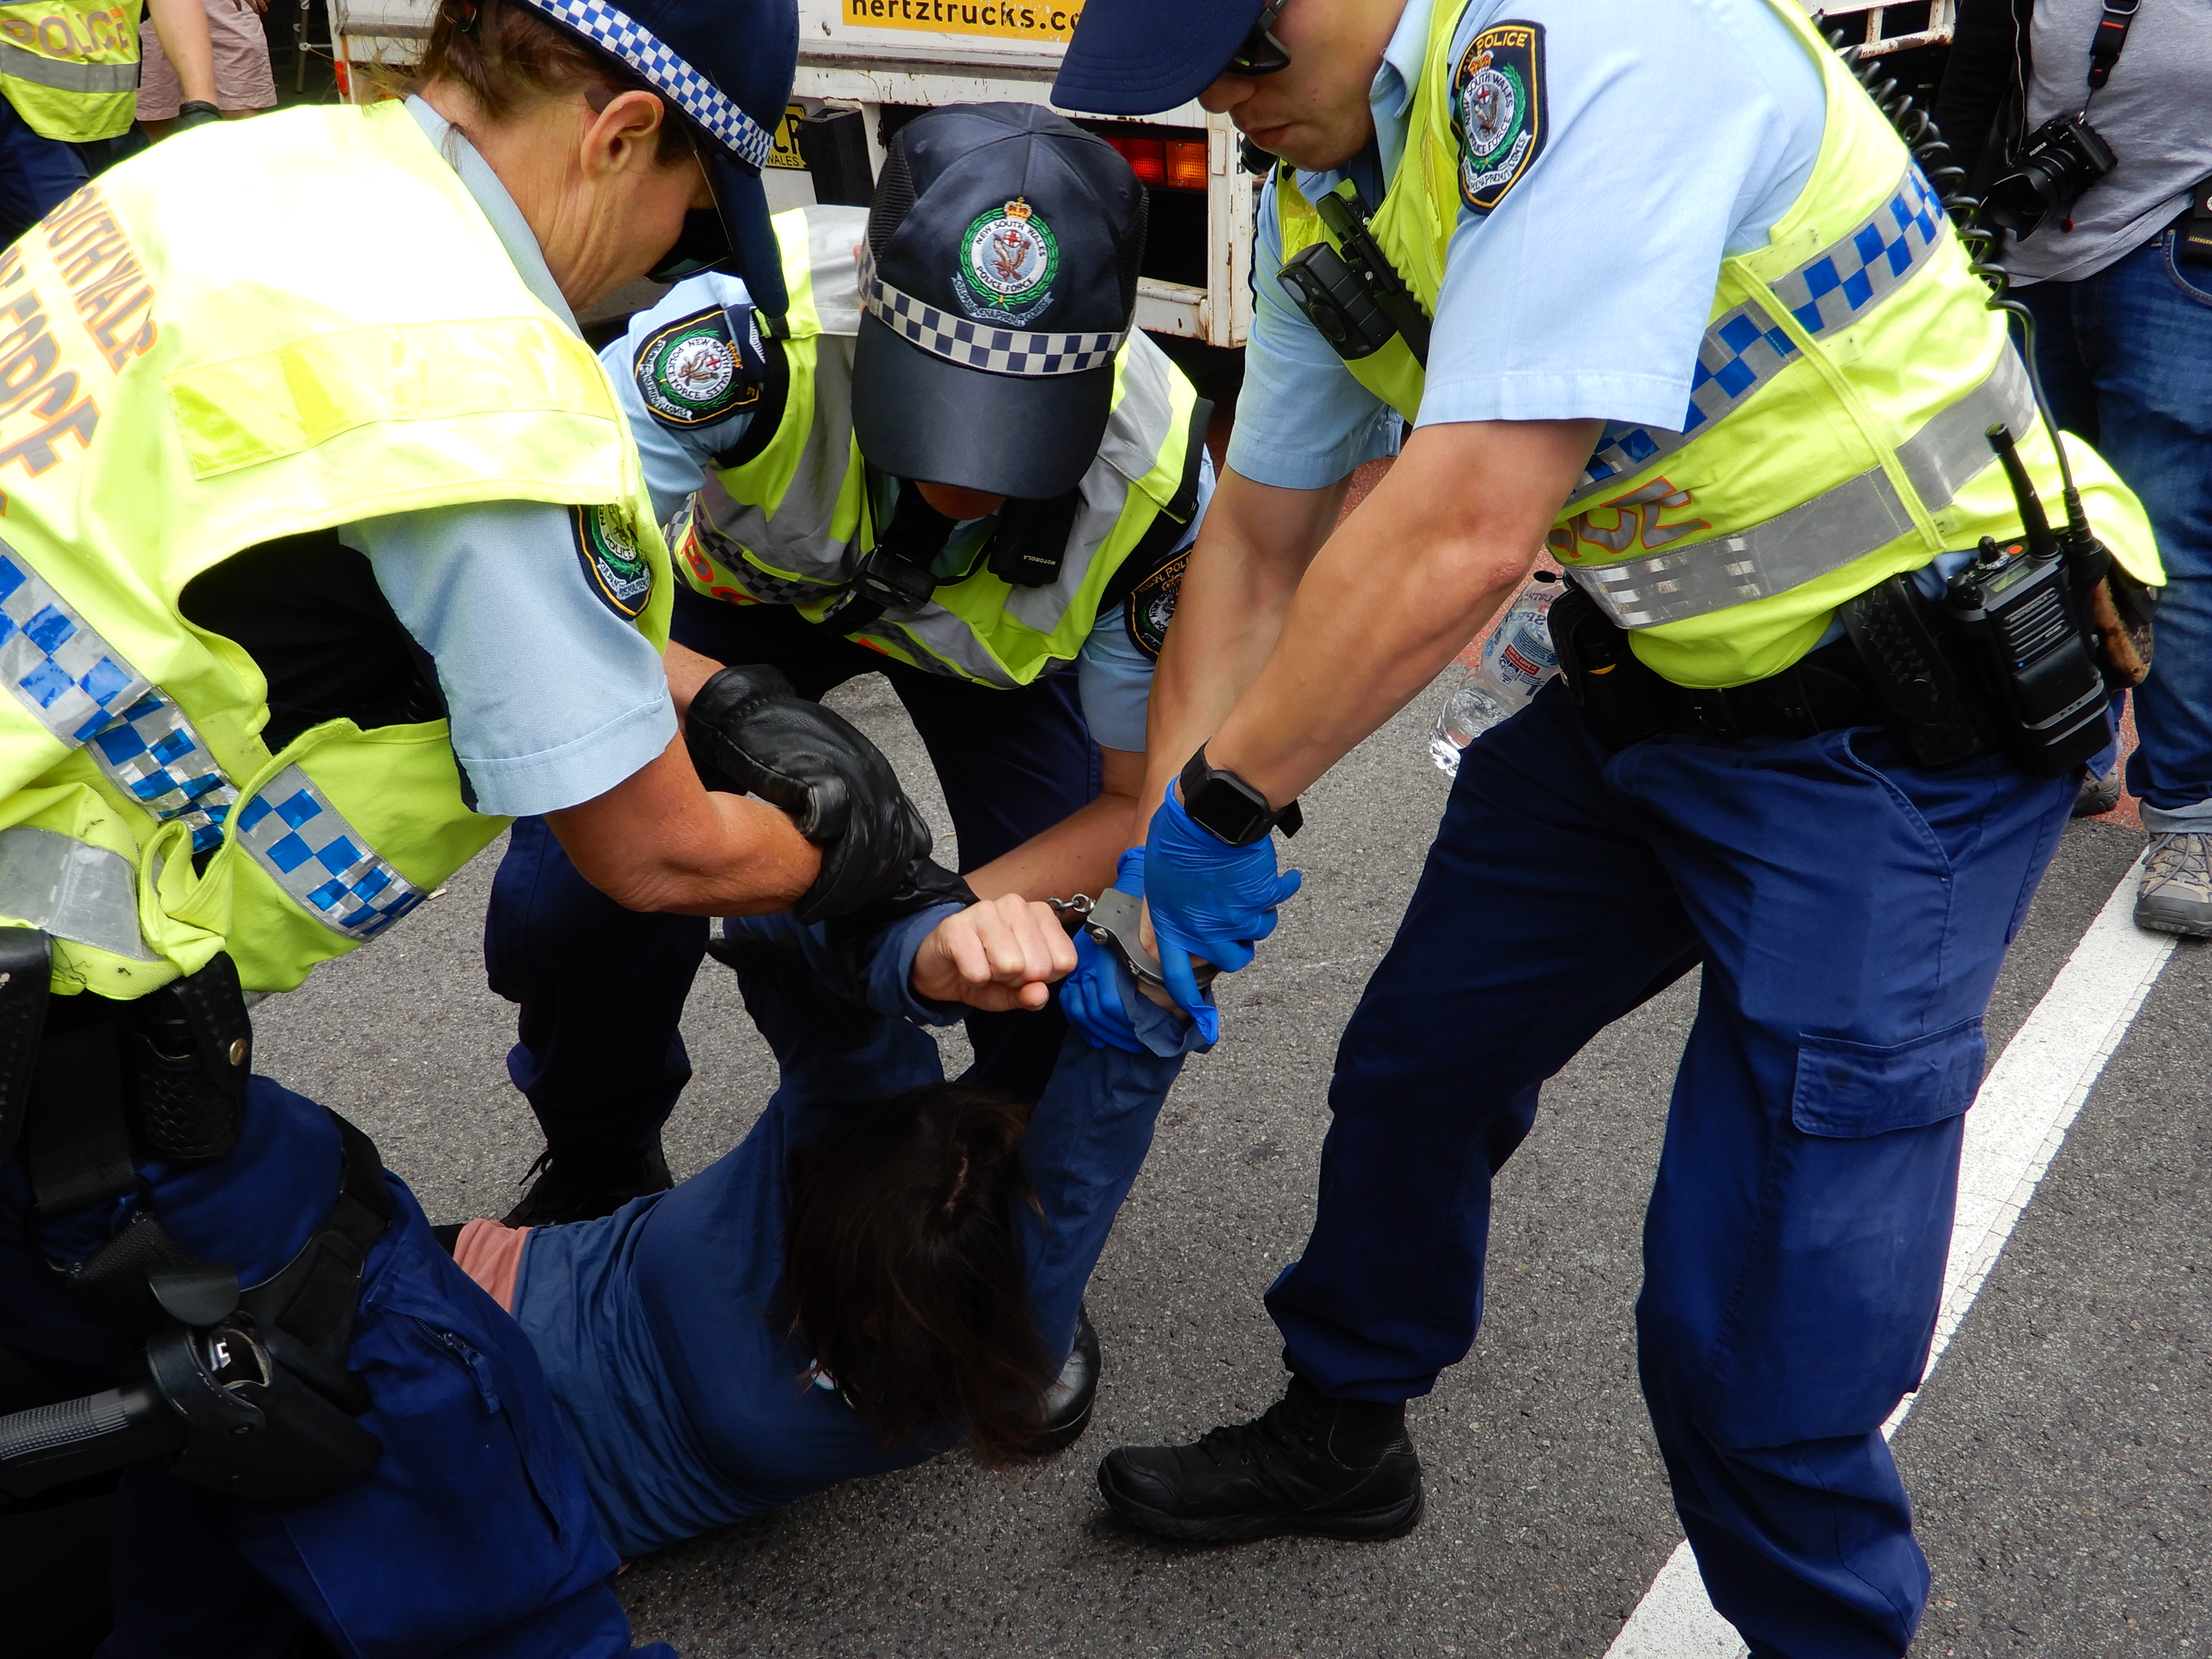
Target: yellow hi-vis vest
[(287, 326), (70, 67), (1835, 437), (791, 524)]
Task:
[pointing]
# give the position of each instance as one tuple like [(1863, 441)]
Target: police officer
[(69, 82), (326, 549), (956, 463), (1658, 287)]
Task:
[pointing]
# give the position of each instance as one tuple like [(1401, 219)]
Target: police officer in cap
[(1659, 288), (953, 460), (327, 550)]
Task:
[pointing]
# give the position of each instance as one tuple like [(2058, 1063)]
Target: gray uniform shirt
[(2155, 112)]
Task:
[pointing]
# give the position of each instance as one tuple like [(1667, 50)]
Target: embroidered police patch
[(616, 569), (1150, 606), (700, 370), (1498, 112), (1009, 259)]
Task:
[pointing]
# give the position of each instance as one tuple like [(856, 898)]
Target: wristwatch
[(1230, 808)]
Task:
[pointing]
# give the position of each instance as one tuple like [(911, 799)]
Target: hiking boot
[(2176, 895), (582, 1183), (1068, 1401), (1330, 1468), (2100, 795)]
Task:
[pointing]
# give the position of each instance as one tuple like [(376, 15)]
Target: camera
[(1338, 303), (2060, 160)]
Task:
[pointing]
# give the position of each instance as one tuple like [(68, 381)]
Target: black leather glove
[(750, 732), (923, 885), (196, 114)]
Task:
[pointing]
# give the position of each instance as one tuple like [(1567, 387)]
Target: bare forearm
[(660, 841), (1400, 589), (687, 671), (183, 28), (1078, 854), (1236, 591)]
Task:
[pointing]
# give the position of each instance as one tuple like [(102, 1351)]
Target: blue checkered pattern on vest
[(151, 753), (293, 833), (1830, 290), (659, 63), (60, 669)]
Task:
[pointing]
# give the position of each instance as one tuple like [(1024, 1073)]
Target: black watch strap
[(1225, 806)]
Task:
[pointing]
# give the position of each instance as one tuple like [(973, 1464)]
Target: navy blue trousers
[(1850, 912), (472, 1538), (601, 989)]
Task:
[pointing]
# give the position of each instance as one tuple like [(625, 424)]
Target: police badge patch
[(615, 569), (1498, 112), (1009, 259), (702, 369), (1150, 606)]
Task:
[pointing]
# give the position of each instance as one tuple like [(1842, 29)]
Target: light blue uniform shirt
[(1678, 134), (552, 696), (1114, 677)]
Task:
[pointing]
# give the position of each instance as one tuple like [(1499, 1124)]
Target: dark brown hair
[(511, 58), (902, 1267)]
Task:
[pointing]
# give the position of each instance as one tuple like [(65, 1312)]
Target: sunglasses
[(1260, 52)]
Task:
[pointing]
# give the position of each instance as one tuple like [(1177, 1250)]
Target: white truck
[(891, 59)]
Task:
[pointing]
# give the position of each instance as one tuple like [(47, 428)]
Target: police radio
[(2017, 608)]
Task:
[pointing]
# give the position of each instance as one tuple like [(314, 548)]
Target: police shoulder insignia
[(1498, 115), (615, 569), (700, 370), (1150, 606)]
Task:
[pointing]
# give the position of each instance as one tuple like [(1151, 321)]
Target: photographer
[(2123, 331)]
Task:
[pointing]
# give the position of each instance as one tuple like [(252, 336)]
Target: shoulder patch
[(1498, 112), (700, 370), (1150, 606), (615, 570)]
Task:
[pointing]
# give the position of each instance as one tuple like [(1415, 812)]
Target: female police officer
[(958, 507), (1687, 221), (326, 545)]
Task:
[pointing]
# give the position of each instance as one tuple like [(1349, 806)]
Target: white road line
[(2028, 1103)]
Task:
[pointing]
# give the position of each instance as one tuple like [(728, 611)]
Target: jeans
[(2126, 360), (601, 989), (1851, 911)]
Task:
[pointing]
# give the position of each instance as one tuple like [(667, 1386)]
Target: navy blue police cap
[(726, 67), (1139, 56), (999, 285)]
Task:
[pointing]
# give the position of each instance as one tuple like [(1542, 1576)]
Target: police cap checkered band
[(616, 32), (979, 345)]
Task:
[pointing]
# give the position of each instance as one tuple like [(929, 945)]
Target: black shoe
[(1330, 1468), (1068, 1401), (582, 1183)]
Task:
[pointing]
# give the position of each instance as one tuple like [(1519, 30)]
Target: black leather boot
[(1068, 1401), (1332, 1468), (582, 1183)]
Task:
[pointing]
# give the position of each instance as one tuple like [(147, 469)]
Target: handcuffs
[(1113, 920)]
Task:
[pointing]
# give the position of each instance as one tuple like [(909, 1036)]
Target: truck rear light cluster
[(1165, 163)]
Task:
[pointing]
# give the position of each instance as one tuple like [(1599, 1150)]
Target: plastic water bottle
[(1516, 660)]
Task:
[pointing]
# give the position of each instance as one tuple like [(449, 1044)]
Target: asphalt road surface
[(2060, 1456)]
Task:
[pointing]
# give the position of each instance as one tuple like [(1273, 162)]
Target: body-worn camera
[(2056, 166), (1336, 302)]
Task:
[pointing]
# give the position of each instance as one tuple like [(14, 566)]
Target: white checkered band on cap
[(979, 345), (658, 62)]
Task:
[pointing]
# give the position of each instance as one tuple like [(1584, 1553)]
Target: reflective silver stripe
[(59, 668), (72, 889), (1744, 348), (152, 754), (65, 75), (1826, 533), (1951, 448), (1742, 351), (1830, 290), (306, 844)]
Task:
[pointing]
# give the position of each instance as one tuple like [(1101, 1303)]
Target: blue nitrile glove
[(1091, 997), (1208, 900)]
